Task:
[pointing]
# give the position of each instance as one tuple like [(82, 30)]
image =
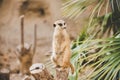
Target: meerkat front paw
[(61, 69), (56, 66)]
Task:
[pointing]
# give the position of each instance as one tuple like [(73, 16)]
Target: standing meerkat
[(61, 51)]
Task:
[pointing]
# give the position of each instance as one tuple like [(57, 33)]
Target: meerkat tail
[(72, 68)]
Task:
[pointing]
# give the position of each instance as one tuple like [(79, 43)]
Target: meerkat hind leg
[(68, 65)]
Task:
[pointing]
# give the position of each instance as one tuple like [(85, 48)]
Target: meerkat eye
[(54, 25), (60, 24), (64, 23)]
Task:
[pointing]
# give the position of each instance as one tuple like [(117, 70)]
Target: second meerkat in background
[(61, 51)]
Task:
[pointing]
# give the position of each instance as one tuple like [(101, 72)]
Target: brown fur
[(61, 47), (25, 57), (26, 62)]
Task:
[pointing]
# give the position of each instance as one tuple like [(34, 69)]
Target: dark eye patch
[(64, 23), (54, 25), (60, 24)]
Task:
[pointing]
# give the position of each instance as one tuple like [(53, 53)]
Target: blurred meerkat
[(24, 51), (25, 57), (61, 46)]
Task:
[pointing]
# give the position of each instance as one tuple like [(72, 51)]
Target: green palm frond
[(90, 48), (101, 16), (105, 58), (109, 62), (73, 9)]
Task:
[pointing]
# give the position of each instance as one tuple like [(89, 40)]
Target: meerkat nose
[(64, 28), (60, 24)]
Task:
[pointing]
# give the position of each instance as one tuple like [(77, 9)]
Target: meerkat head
[(27, 48), (60, 24)]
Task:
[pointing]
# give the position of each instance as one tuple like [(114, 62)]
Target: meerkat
[(24, 51), (61, 51), (25, 58)]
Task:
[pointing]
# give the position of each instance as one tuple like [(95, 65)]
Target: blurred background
[(93, 26), (40, 12)]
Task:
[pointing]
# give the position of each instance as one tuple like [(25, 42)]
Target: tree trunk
[(39, 72), (62, 74)]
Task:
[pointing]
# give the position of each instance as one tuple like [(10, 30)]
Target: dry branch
[(35, 38), (22, 31)]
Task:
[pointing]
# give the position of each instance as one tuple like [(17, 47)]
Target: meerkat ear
[(54, 25)]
